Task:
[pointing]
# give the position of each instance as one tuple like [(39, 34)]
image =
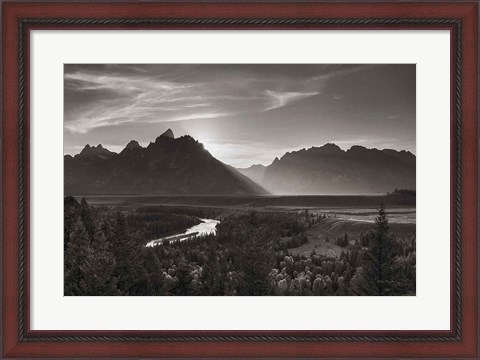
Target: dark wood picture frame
[(460, 18)]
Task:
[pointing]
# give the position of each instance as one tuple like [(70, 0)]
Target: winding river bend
[(206, 227)]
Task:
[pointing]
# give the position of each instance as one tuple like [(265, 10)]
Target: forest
[(249, 255)]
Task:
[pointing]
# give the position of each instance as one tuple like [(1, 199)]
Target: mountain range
[(168, 166), (182, 166), (331, 170)]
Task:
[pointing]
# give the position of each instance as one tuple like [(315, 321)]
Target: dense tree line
[(405, 191), (105, 254)]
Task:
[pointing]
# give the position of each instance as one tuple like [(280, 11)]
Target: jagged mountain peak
[(328, 148), (169, 166), (132, 145), (359, 148), (166, 137), (168, 134), (99, 150)]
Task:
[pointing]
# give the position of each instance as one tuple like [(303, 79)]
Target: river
[(206, 227)]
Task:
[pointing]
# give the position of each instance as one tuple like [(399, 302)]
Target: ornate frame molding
[(291, 23)]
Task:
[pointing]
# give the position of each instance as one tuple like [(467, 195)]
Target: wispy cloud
[(84, 125), (86, 81), (198, 116), (280, 99), (337, 71), (337, 97), (116, 94), (311, 86), (118, 100)]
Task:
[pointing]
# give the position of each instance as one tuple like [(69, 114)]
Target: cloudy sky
[(244, 114)]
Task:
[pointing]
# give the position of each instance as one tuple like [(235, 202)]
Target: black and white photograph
[(239, 179)]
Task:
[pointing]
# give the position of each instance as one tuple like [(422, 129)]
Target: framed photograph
[(235, 180)]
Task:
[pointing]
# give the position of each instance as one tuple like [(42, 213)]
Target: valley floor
[(346, 214), (260, 246), (267, 203), (322, 236)]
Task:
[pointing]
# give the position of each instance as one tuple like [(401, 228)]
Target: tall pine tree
[(376, 275)]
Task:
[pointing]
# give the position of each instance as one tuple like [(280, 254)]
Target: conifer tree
[(256, 263), (375, 277), (127, 255), (75, 254)]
